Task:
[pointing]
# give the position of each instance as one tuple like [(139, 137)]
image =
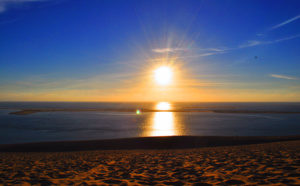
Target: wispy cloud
[(185, 57), (201, 55), (282, 76), (285, 22), (164, 50), (215, 51), (286, 38), (251, 43), (257, 42), (5, 4)]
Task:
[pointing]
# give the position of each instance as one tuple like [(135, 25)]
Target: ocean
[(93, 125)]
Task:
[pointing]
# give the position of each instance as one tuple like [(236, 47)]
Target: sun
[(163, 75)]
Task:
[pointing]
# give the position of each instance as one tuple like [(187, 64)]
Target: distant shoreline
[(166, 142), (26, 111)]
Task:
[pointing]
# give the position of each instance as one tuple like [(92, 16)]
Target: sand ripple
[(262, 164)]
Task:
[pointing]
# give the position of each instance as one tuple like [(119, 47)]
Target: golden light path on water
[(164, 123)]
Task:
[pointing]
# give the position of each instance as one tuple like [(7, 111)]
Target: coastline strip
[(27, 111)]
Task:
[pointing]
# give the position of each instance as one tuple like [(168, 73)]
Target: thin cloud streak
[(282, 76), (285, 22), (251, 43), (163, 50), (215, 51), (257, 42), (185, 57), (201, 55), (218, 49), (209, 51), (224, 50), (5, 3)]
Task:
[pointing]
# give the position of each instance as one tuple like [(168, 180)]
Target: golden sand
[(275, 163)]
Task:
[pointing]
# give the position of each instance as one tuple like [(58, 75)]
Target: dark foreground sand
[(276, 163)]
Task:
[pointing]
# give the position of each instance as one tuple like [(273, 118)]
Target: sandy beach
[(273, 163)]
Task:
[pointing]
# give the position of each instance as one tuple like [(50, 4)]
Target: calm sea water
[(58, 126)]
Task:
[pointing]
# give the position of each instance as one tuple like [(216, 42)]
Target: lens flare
[(138, 111)]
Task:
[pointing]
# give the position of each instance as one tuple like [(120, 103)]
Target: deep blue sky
[(99, 50)]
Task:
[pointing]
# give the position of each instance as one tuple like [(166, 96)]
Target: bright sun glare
[(163, 75), (163, 106)]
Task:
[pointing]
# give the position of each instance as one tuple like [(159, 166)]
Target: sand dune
[(276, 163)]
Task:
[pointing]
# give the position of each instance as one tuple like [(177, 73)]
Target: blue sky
[(76, 50)]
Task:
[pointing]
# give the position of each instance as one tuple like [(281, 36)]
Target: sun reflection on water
[(163, 123), (163, 106)]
